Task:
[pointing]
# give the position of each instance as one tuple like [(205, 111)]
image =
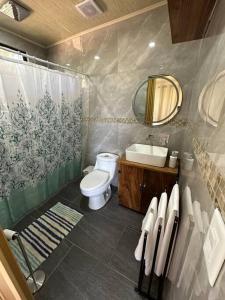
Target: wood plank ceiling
[(55, 20)]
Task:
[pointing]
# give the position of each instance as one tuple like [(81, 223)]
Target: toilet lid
[(94, 180)]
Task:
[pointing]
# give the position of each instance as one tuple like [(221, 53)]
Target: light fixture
[(97, 57), (68, 65), (151, 44), (14, 10)]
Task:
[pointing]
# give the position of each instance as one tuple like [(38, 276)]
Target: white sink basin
[(146, 154)]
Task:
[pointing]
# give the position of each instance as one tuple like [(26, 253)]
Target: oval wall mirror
[(157, 100), (211, 103)]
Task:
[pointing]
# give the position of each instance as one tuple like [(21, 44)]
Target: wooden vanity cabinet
[(139, 183)]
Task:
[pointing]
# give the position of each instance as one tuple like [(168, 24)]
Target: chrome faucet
[(159, 140)]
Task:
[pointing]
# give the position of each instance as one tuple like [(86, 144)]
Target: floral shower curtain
[(40, 136)]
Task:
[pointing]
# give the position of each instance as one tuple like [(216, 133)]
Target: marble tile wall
[(207, 143), (125, 61)]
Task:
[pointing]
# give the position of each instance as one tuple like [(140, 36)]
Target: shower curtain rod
[(41, 60)]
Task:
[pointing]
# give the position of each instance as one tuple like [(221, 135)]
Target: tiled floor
[(95, 261)]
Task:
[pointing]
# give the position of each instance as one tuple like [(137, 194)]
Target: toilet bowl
[(96, 184)]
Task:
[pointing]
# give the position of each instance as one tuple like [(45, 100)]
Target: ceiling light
[(97, 57), (14, 10), (151, 44)]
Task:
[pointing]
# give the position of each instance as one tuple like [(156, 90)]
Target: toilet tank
[(107, 162)]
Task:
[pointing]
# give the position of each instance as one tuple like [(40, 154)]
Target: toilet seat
[(94, 180)]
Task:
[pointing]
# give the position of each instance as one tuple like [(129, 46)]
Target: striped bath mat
[(45, 234)]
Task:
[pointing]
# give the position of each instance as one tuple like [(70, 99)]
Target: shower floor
[(95, 261)]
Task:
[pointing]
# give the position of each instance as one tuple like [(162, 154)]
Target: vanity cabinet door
[(152, 187), (155, 183), (130, 186), (168, 182)]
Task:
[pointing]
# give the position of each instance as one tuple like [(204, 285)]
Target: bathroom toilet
[(96, 184)]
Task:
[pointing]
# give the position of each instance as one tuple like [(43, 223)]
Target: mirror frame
[(177, 107), (203, 114)]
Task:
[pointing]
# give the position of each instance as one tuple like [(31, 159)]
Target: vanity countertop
[(165, 169)]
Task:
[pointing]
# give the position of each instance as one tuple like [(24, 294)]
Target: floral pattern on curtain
[(40, 136)]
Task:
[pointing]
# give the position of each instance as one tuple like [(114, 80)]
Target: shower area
[(41, 133)]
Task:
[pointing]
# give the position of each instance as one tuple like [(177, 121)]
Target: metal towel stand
[(161, 278), (37, 278)]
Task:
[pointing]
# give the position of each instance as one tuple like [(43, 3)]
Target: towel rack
[(36, 278), (161, 279)]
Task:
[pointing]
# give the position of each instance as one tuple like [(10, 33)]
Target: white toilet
[(96, 184)]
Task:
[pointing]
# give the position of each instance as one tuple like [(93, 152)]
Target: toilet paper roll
[(9, 234)]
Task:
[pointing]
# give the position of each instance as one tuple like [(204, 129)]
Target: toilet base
[(97, 202)]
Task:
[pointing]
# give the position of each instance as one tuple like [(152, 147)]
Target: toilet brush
[(36, 279)]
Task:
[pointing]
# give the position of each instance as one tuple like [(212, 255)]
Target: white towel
[(172, 212), (149, 227), (150, 247), (193, 251), (183, 237), (173, 201), (138, 250), (152, 208), (205, 222)]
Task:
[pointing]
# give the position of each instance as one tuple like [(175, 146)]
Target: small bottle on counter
[(173, 161)]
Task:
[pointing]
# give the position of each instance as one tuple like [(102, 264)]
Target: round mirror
[(211, 104), (157, 100)]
